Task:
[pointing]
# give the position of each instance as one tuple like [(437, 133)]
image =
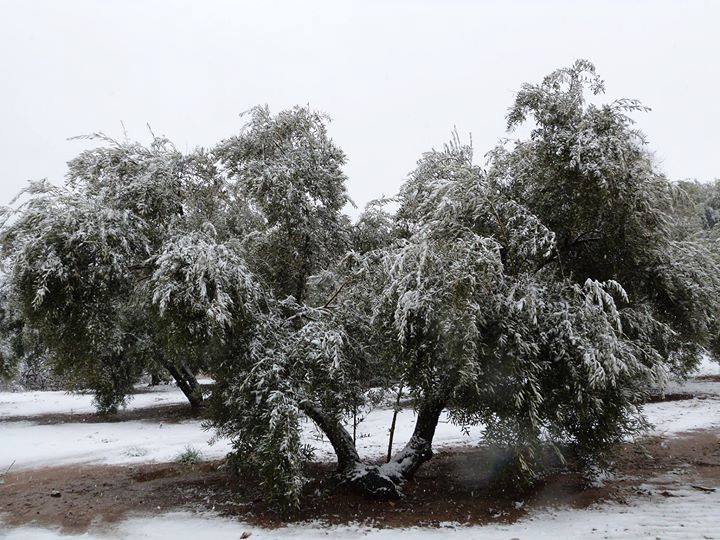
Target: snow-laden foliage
[(289, 368), (78, 255), (25, 361), (542, 297), (204, 283), (487, 326), (374, 228), (539, 295), (68, 271), (290, 170), (586, 173), (697, 235)]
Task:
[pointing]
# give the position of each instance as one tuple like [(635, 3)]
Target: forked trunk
[(380, 481)]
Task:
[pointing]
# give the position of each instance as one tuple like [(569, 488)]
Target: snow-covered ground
[(696, 386), (690, 514), (707, 367), (670, 417), (31, 445), (37, 403), (36, 445)]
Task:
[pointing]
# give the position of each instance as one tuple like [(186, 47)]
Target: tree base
[(370, 481)]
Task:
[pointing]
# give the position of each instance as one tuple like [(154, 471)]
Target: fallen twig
[(703, 488), (4, 474)]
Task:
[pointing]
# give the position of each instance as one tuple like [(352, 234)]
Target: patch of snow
[(690, 514), (35, 445), (685, 415), (59, 402), (694, 387), (707, 367)]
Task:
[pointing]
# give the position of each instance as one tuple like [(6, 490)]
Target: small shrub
[(190, 456)]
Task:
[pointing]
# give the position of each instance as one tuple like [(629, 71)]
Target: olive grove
[(540, 294)]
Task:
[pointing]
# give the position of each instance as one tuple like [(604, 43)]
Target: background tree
[(76, 256)]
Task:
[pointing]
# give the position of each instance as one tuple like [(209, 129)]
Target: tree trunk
[(338, 436), (187, 382), (418, 449), (379, 482), (154, 379)]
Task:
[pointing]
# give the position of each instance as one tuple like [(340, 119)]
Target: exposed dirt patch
[(660, 398), (164, 413), (88, 493), (456, 485)]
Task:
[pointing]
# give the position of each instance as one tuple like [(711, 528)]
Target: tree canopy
[(540, 294)]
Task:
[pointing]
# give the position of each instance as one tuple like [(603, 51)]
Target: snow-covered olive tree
[(77, 257), (541, 297)]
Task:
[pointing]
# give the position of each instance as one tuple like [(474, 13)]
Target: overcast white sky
[(395, 76)]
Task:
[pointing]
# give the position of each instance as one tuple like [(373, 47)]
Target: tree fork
[(380, 482)]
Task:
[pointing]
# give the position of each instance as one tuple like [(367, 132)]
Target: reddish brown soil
[(454, 486)]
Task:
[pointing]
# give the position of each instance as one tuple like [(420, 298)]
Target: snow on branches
[(540, 295)]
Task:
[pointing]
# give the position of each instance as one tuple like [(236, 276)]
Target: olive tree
[(541, 297), (77, 256)]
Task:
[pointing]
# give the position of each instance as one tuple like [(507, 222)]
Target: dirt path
[(454, 486)]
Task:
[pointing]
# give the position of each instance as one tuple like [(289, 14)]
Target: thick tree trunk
[(187, 382), (338, 436), (380, 482), (418, 449)]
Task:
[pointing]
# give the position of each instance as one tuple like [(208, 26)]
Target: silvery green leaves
[(540, 294), (291, 171), (204, 282)]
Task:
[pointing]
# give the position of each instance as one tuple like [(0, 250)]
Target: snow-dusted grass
[(690, 514)]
